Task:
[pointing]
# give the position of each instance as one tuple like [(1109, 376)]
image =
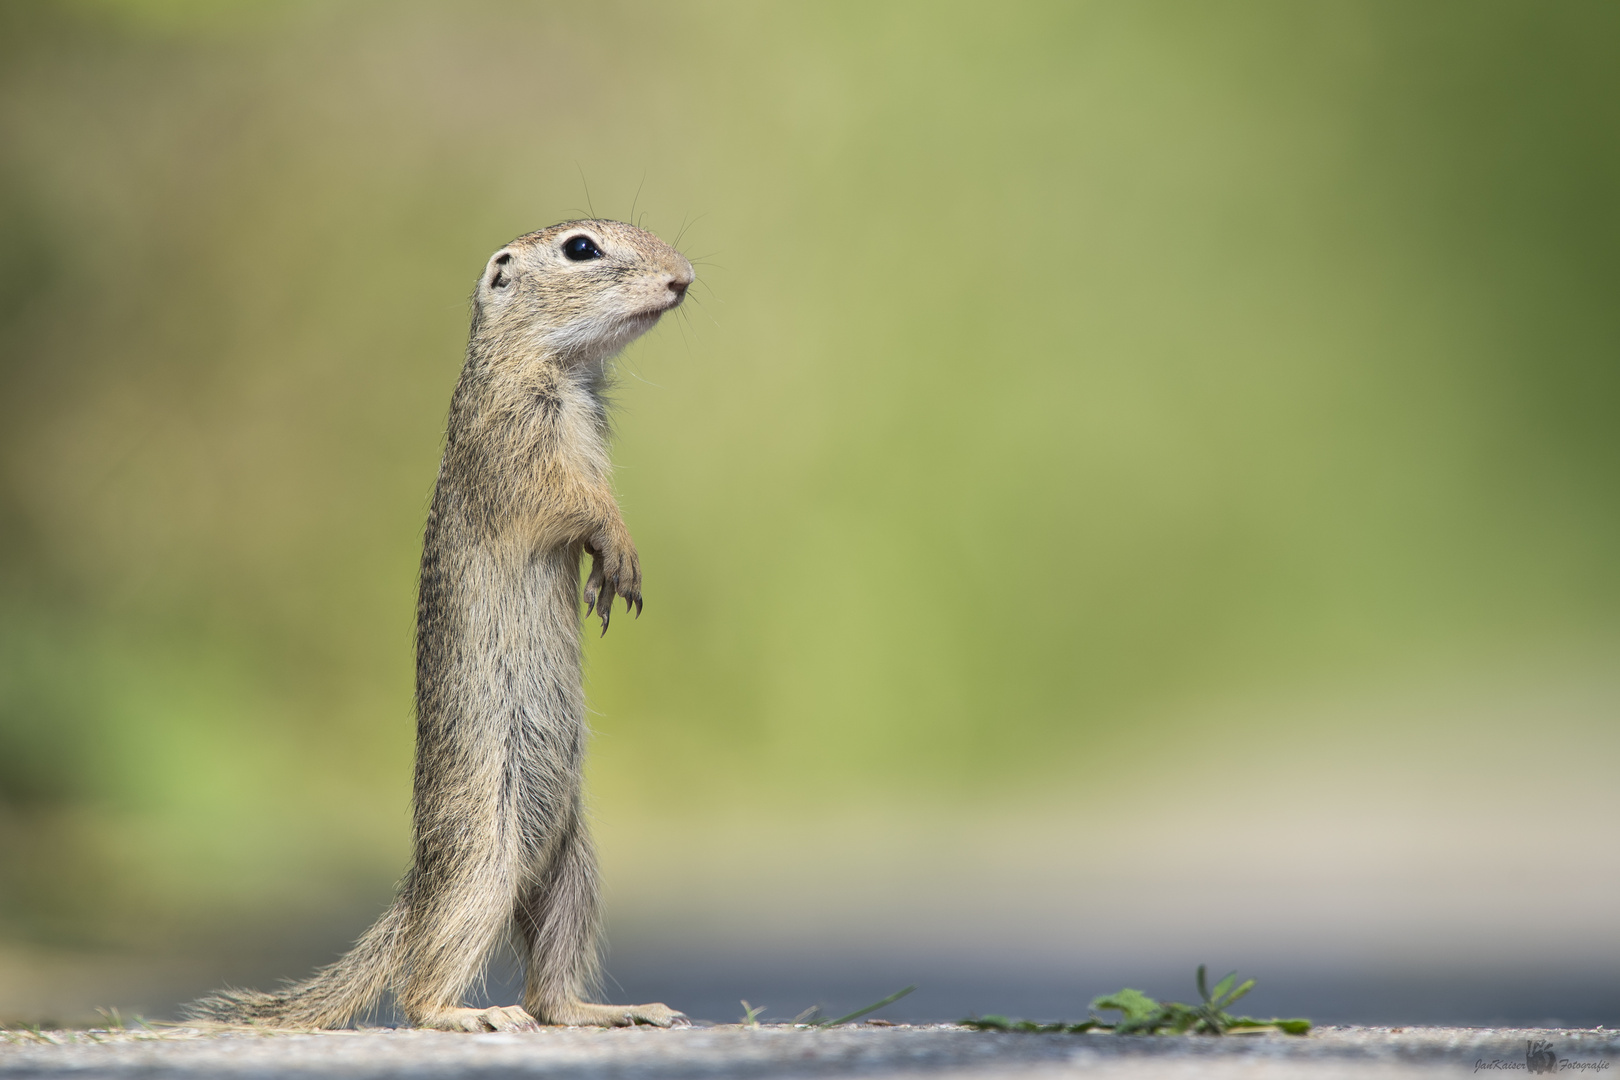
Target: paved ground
[(781, 1051)]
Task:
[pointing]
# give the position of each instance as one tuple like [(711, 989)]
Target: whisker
[(587, 186)]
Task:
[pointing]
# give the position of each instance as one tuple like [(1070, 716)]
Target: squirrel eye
[(579, 248)]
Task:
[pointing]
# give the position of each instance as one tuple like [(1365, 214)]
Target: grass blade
[(874, 1007)]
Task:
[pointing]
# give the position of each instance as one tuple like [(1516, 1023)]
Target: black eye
[(579, 248)]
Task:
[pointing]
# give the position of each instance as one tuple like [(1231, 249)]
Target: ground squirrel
[(522, 494)]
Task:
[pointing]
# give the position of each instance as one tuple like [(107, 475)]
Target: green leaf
[(1221, 988), (1238, 993), (1288, 1027), (1180, 1018), (1136, 1005), (1203, 984)]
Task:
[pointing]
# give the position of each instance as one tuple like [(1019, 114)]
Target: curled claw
[(605, 608), (594, 583)]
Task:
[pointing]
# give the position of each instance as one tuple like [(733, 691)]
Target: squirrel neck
[(524, 425)]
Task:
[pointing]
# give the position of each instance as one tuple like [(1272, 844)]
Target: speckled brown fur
[(523, 492)]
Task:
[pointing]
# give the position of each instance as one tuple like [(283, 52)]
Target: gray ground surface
[(784, 1051)]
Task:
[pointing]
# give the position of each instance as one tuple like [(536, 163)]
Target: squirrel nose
[(678, 287)]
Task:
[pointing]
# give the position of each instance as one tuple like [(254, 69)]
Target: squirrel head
[(580, 291)]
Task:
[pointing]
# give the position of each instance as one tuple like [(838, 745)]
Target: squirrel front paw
[(615, 571)]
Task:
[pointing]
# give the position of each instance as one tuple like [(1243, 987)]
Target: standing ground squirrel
[(522, 493)]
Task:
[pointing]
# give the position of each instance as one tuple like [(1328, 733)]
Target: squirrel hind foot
[(496, 1018), (590, 1014)]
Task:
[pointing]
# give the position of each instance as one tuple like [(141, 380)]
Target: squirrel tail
[(328, 999)]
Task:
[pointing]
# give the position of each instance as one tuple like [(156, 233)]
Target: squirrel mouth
[(654, 312)]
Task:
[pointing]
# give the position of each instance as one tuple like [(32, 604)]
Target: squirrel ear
[(498, 278)]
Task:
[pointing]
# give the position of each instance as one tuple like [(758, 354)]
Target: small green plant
[(1141, 1015), (750, 1016)]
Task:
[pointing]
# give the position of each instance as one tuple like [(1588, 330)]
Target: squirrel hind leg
[(559, 915)]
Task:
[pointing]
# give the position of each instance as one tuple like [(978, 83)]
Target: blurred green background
[(1073, 395)]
